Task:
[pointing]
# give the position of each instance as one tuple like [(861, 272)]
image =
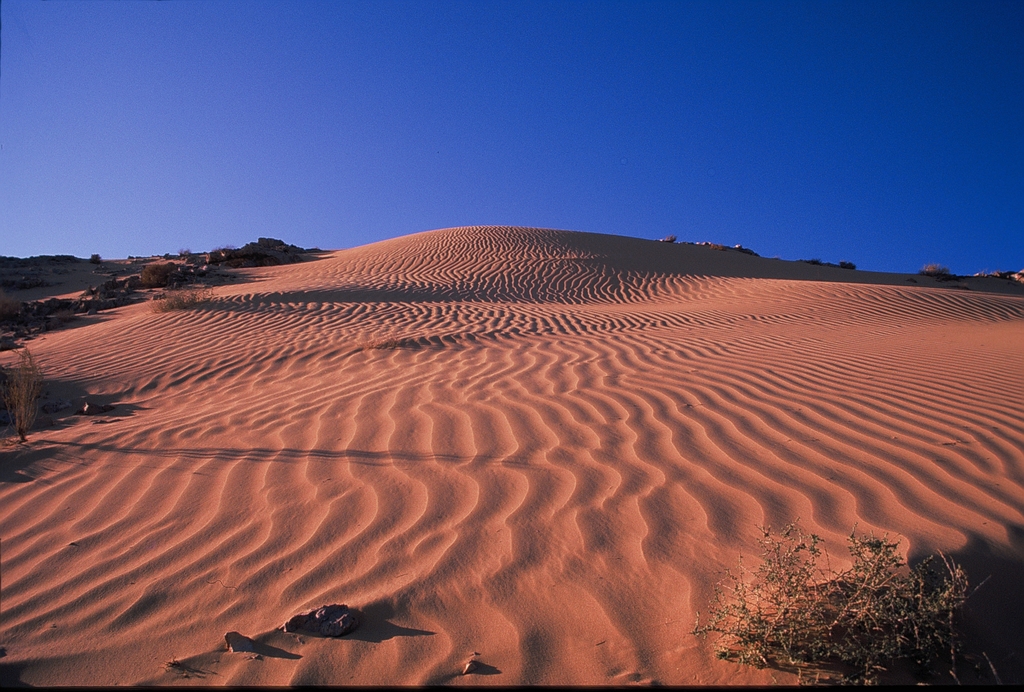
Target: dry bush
[(847, 265), (95, 258), (934, 270), (9, 307), (64, 316), (183, 299), (794, 613), (22, 385), (156, 275)]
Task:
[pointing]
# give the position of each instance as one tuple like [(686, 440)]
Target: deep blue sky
[(888, 133)]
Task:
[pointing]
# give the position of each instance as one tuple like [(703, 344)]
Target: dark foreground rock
[(91, 409), (327, 621)]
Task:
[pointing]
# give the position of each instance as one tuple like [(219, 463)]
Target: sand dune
[(538, 447)]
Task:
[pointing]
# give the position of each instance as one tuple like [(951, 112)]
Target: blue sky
[(889, 134)]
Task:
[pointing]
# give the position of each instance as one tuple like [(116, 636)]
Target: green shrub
[(156, 275), (21, 388), (794, 613)]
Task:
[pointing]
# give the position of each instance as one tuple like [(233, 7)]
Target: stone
[(91, 409), (238, 642), (56, 406), (335, 620)]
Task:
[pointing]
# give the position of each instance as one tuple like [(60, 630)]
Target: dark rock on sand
[(327, 621)]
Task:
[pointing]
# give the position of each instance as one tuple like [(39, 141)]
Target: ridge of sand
[(537, 446)]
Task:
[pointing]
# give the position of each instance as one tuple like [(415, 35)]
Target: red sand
[(559, 443)]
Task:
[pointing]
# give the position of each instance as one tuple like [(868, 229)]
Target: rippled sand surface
[(539, 448)]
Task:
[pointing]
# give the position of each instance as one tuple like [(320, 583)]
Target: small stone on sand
[(239, 642)]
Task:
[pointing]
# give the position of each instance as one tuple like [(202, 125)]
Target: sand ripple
[(540, 446)]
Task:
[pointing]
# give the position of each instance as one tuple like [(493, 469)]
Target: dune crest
[(537, 449)]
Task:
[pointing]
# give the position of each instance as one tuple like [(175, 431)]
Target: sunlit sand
[(536, 449)]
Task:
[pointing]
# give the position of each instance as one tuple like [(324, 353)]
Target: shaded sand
[(539, 447)]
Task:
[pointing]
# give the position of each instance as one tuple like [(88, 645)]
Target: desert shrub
[(9, 307), (156, 275), (934, 270), (793, 612), (847, 265), (22, 385), (813, 261), (94, 258), (64, 315), (668, 239), (183, 299)]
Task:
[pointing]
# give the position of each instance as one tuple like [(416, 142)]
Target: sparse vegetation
[(668, 239), (22, 385), (935, 270), (183, 299), (793, 613), (9, 307), (156, 275), (843, 264), (94, 258)]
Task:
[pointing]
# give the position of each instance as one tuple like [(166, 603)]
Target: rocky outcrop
[(265, 252)]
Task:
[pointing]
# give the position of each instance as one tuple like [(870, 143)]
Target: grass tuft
[(183, 299), (794, 613)]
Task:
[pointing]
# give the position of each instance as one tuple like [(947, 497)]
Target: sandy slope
[(567, 439)]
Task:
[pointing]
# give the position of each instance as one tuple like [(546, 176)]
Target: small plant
[(935, 270), (9, 307), (795, 613), (157, 275), (94, 258), (668, 239), (183, 299), (815, 261), (22, 385), (847, 265), (64, 316)]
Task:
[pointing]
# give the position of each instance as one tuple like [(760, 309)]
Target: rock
[(327, 621), (91, 409), (55, 406), (239, 642)]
